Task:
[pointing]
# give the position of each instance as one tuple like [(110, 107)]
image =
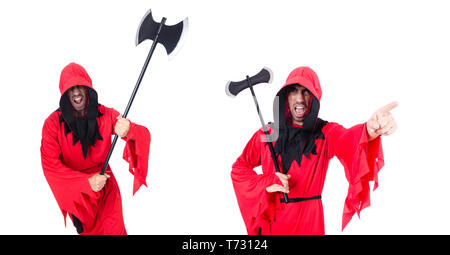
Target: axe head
[(169, 36), (234, 87)]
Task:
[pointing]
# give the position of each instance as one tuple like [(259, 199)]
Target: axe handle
[(136, 87), (144, 68), (266, 132), (105, 165), (272, 153)]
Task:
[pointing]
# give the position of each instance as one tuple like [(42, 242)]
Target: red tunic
[(264, 213), (67, 171), (260, 209)]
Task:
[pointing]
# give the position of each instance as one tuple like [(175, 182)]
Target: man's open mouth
[(77, 100), (299, 110)]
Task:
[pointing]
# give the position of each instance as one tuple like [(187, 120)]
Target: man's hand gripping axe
[(169, 36), (234, 88)]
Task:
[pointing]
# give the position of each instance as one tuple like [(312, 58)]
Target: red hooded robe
[(67, 171), (264, 212)]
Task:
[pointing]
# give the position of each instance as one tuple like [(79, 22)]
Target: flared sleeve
[(70, 187), (362, 160), (257, 206), (136, 152)]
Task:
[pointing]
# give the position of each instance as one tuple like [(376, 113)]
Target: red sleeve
[(70, 187), (136, 151), (256, 204), (362, 160)]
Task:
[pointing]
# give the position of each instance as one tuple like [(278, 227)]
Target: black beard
[(84, 129)]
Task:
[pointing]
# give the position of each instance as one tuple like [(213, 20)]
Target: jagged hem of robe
[(367, 162)]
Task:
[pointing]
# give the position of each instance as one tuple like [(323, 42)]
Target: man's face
[(78, 98), (299, 101)]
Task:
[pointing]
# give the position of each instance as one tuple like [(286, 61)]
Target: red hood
[(72, 75), (307, 78)]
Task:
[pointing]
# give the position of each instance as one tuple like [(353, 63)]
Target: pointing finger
[(388, 107)]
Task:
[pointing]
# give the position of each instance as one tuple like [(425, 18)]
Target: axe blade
[(147, 29), (172, 37), (264, 76), (169, 36)]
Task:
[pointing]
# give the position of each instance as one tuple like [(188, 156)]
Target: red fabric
[(262, 210), (67, 171), (136, 154), (72, 75), (361, 161), (306, 77)]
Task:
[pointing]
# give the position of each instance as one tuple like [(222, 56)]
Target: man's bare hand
[(382, 122), (98, 181), (277, 187), (122, 126)]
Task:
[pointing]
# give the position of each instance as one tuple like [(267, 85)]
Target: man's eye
[(306, 92), (292, 89)]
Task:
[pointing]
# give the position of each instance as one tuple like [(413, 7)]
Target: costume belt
[(300, 199)]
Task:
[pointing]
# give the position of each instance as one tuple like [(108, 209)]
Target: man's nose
[(300, 98)]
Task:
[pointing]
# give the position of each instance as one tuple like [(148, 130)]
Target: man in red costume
[(311, 142), (76, 139)]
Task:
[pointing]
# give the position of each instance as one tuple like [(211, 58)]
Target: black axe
[(234, 88), (169, 36)]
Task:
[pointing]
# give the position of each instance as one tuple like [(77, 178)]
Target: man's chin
[(298, 121), (78, 107), (79, 111)]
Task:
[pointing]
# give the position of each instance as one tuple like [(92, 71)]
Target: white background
[(365, 53)]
